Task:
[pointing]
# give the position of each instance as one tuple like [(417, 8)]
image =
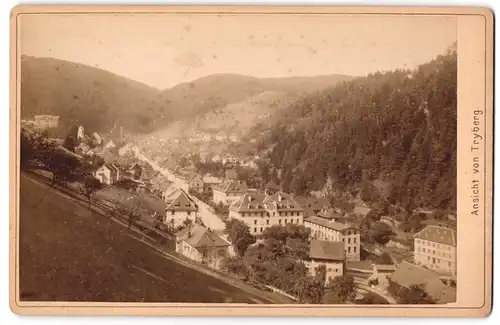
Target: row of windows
[(262, 214), (279, 221), (438, 253), (437, 261), (428, 243), (188, 212), (349, 249)]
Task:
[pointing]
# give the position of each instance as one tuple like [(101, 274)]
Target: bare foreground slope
[(70, 254)]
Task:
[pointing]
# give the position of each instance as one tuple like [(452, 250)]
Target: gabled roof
[(179, 200), (439, 235), (408, 275), (250, 202), (200, 237), (327, 250), (328, 224), (283, 201), (232, 186)]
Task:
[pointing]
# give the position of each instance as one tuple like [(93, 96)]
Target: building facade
[(329, 254), (229, 191), (322, 229), (260, 211), (180, 207), (436, 248), (202, 245), (108, 174)]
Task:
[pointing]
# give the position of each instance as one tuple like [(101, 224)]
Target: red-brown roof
[(327, 250), (439, 235)]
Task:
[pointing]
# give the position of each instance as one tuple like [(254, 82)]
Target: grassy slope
[(68, 254)]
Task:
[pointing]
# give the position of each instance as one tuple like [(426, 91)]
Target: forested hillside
[(396, 128)]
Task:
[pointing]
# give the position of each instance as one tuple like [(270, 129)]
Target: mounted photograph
[(239, 157)]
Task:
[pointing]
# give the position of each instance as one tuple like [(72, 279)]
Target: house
[(329, 254), (180, 207), (436, 248), (196, 183), (229, 191), (334, 231), (260, 211), (136, 171), (97, 138), (202, 245), (110, 145), (108, 174), (231, 174), (408, 275), (46, 121), (210, 181)]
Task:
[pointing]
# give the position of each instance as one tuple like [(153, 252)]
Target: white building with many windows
[(436, 248), (323, 229), (260, 211)]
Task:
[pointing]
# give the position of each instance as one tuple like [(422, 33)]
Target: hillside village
[(333, 189), (343, 239)]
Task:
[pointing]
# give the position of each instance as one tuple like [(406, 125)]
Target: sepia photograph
[(217, 158)]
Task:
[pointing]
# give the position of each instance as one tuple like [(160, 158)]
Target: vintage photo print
[(251, 160)]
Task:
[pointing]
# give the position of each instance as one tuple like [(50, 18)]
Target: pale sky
[(164, 50)]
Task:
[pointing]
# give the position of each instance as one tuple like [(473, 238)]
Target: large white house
[(324, 229), (229, 191), (436, 248), (260, 211), (180, 207), (329, 254), (108, 174)]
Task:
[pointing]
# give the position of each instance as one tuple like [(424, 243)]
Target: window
[(255, 222), (428, 258), (254, 229), (260, 229), (298, 220), (329, 269), (189, 213), (286, 221), (433, 252), (173, 212), (267, 221), (354, 248), (348, 240), (280, 221), (355, 240), (348, 249), (274, 213)]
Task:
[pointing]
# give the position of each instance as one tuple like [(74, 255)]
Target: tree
[(415, 295), (65, 168), (89, 186), (340, 290), (309, 290), (70, 143), (239, 234), (380, 233)]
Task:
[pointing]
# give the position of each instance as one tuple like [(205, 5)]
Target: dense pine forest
[(390, 135)]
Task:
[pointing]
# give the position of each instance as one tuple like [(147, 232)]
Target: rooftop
[(328, 224), (439, 235), (327, 250), (201, 237), (179, 200), (230, 185), (408, 275)]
